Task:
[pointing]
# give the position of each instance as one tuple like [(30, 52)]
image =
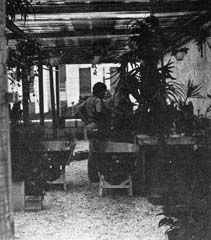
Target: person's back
[(95, 114)]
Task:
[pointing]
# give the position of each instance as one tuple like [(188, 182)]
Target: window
[(62, 75)]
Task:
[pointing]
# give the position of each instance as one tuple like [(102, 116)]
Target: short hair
[(99, 87)]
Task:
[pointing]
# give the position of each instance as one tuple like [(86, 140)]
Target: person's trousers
[(93, 158)]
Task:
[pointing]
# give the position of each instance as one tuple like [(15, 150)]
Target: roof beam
[(105, 6)]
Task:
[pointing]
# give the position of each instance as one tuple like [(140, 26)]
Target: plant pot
[(18, 190), (96, 59), (34, 186), (180, 55), (208, 40)]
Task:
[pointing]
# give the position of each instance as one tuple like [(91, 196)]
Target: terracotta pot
[(209, 42)]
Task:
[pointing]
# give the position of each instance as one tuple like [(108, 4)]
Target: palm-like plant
[(153, 86), (193, 90)]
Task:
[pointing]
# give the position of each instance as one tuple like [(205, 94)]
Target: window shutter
[(85, 81), (62, 85)]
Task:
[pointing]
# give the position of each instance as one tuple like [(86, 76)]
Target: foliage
[(200, 35), (186, 121), (148, 78), (187, 209), (122, 116), (193, 90), (20, 61), (22, 139), (24, 7), (25, 54)]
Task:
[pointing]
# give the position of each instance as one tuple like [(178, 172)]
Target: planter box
[(81, 155), (33, 203), (18, 190)]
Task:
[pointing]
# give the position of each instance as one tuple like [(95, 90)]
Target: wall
[(6, 216), (72, 73), (72, 83), (197, 68)]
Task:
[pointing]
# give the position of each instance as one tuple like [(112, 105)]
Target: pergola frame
[(82, 29)]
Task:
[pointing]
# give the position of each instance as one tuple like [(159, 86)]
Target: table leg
[(144, 167)]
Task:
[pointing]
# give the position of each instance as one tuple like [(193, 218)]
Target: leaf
[(193, 91)]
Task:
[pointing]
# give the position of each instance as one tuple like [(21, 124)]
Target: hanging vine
[(21, 60), (22, 7)]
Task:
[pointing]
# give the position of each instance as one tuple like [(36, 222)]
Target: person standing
[(96, 115)]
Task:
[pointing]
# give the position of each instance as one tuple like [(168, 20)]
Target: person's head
[(99, 89)]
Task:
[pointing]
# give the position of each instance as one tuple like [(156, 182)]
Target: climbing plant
[(21, 59)]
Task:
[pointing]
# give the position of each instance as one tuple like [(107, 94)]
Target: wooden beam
[(79, 34), (107, 6)]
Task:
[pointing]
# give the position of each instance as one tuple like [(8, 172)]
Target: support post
[(53, 102), (41, 98), (6, 212), (57, 94), (25, 90)]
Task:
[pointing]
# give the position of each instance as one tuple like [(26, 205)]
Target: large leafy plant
[(148, 78)]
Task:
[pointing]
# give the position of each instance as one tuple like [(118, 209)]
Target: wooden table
[(174, 140)]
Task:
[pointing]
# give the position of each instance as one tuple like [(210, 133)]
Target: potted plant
[(27, 166), (148, 79), (186, 121)]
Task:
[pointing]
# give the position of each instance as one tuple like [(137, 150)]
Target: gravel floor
[(79, 214)]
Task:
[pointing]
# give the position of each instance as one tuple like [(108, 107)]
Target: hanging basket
[(180, 55), (208, 40), (96, 59)]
